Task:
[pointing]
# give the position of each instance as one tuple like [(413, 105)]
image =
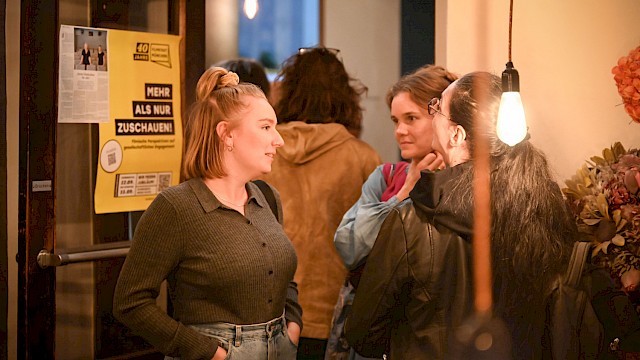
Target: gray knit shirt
[(220, 266)]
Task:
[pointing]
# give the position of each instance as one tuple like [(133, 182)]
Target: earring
[(229, 148)]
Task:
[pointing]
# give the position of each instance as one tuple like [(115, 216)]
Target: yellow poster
[(141, 145)]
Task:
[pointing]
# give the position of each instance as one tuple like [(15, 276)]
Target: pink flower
[(632, 181)]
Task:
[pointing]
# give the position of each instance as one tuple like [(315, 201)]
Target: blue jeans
[(265, 341)]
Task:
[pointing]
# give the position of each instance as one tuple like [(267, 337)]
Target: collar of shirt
[(209, 202)]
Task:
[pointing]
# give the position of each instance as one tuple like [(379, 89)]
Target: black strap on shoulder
[(577, 262), (268, 194)]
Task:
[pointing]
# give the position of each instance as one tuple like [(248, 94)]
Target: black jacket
[(416, 287)]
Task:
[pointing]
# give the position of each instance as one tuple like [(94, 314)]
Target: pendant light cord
[(510, 25)]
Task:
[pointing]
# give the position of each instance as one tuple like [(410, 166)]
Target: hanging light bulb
[(250, 8), (512, 125)]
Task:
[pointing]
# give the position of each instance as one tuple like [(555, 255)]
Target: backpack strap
[(387, 172), (394, 175), (576, 264), (268, 194)]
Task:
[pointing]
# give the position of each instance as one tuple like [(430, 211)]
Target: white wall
[(367, 32), (564, 52), (221, 30)]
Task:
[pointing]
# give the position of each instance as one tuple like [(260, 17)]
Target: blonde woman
[(228, 263)]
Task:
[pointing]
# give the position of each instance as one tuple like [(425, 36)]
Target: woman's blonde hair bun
[(215, 78), (228, 79)]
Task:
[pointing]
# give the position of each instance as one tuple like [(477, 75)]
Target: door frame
[(37, 149), (4, 265)]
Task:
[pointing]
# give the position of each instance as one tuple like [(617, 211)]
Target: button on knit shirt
[(220, 266)]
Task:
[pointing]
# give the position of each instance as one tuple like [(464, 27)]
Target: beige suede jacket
[(319, 173)]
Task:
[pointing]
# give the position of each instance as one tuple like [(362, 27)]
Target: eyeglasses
[(434, 107), (304, 50)]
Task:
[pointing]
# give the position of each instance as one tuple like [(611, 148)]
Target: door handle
[(116, 249)]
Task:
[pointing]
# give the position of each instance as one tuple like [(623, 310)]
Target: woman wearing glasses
[(390, 183), (319, 173), (417, 288)]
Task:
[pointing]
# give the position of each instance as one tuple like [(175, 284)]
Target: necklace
[(227, 201), (223, 200)]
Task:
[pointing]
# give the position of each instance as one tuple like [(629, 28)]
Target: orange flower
[(627, 77)]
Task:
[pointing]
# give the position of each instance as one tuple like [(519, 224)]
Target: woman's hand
[(220, 354), (432, 162), (293, 330)]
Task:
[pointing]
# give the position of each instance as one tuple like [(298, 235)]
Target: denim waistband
[(235, 333)]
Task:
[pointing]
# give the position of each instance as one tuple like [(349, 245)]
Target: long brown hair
[(316, 88), (532, 230)]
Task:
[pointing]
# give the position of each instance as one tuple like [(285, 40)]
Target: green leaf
[(598, 160), (601, 247), (591, 222), (618, 240), (570, 194), (603, 206), (608, 155), (571, 183), (621, 225), (582, 190), (618, 149), (617, 214)]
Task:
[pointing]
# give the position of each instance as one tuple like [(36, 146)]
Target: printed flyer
[(83, 76), (141, 143)]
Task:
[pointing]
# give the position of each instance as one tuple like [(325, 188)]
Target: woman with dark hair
[(319, 173), (417, 288), (389, 184), (249, 70), (315, 87)]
